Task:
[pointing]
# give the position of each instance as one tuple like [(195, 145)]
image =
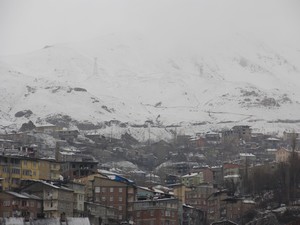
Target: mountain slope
[(132, 79)]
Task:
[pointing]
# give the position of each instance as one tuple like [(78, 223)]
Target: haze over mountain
[(206, 75)]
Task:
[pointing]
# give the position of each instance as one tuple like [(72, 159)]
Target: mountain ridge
[(125, 79)]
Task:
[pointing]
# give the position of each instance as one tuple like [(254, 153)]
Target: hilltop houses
[(196, 180)]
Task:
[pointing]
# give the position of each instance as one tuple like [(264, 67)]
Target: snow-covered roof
[(107, 172), (18, 195), (190, 175), (67, 153), (232, 176), (273, 139), (271, 150), (247, 201), (247, 155)]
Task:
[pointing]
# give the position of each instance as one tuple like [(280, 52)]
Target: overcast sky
[(27, 25)]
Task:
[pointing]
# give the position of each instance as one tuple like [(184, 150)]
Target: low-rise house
[(231, 169), (213, 138), (15, 136), (68, 135), (197, 142), (289, 136), (283, 154), (8, 144), (47, 128), (271, 142), (13, 204), (247, 157)]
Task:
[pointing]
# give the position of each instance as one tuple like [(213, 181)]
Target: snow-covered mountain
[(132, 80)]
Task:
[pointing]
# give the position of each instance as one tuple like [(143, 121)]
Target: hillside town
[(231, 176)]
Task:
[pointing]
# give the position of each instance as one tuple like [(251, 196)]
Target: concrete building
[(13, 168), (57, 200), (13, 204), (49, 169), (192, 179), (165, 211), (283, 155), (101, 214), (76, 169), (116, 192), (78, 198), (192, 216), (208, 199)]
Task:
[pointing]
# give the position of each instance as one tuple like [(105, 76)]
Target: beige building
[(179, 191), (56, 200), (283, 154), (49, 169)]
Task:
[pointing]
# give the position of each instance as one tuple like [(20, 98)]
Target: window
[(111, 199), (5, 170), (120, 190), (104, 189), (6, 203), (27, 172), (103, 199), (120, 208), (15, 171), (111, 189), (138, 214), (31, 203), (97, 189), (151, 213), (120, 199)]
